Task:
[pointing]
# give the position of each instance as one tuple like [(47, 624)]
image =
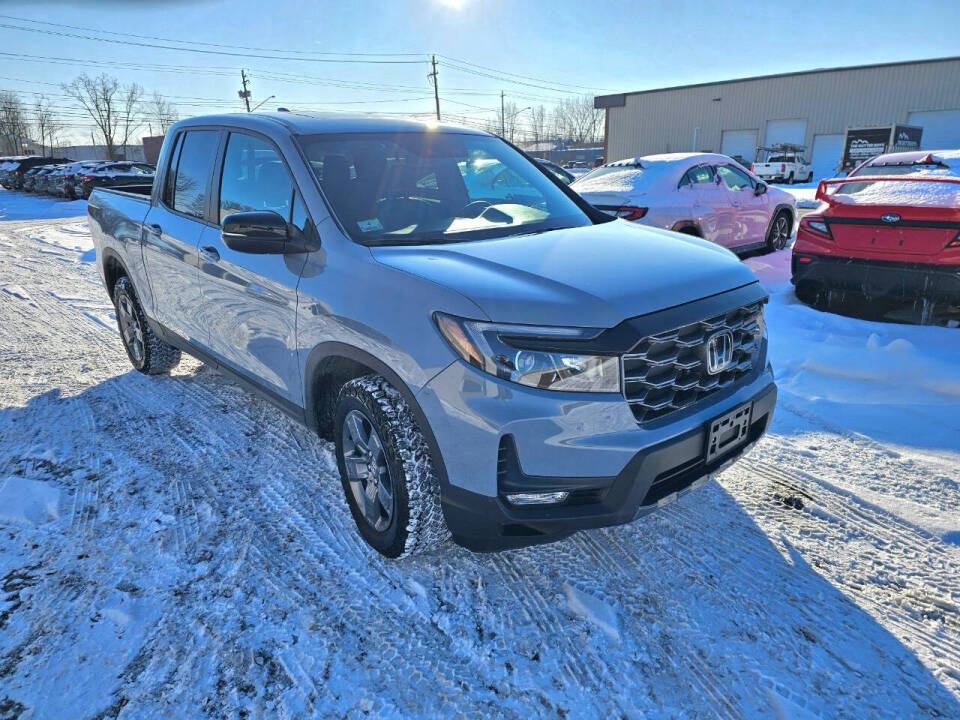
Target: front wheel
[(388, 472), (779, 232)]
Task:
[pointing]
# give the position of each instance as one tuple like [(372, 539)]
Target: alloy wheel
[(130, 327), (368, 472), (781, 233)]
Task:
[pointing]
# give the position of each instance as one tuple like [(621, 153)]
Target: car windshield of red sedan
[(933, 194)]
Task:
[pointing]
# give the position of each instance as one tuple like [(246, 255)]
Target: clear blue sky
[(599, 46)]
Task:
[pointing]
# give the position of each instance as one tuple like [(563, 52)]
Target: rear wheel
[(790, 179), (387, 470), (779, 233), (147, 353), (810, 177)]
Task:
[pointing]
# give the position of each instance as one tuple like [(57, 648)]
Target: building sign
[(907, 137), (864, 143)]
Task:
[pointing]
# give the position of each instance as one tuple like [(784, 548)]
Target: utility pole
[(436, 90), (244, 94), (503, 130)]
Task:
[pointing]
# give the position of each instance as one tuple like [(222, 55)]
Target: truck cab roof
[(309, 123)]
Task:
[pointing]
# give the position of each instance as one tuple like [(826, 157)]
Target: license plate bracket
[(728, 432)]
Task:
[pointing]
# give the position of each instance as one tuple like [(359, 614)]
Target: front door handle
[(155, 229), (209, 252)]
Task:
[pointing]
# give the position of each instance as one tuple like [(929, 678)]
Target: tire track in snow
[(899, 604), (290, 545)]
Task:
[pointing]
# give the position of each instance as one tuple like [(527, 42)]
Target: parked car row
[(70, 179)]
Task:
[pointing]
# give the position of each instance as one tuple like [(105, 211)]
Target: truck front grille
[(668, 371)]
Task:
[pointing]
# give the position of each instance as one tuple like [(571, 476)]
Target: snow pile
[(899, 383), (28, 502)]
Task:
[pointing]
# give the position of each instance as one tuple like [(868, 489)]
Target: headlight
[(500, 350)]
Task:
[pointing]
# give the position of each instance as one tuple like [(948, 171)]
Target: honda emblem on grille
[(719, 352), (890, 218)]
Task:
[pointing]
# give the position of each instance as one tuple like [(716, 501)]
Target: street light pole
[(269, 98)]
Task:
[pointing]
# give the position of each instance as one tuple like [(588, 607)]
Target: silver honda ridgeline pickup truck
[(493, 359)]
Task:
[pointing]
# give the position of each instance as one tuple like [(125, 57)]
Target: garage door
[(786, 131), (941, 128), (827, 152), (739, 142)]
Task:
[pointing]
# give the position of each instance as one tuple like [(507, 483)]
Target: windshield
[(895, 170), (613, 177), (426, 187), (889, 170)]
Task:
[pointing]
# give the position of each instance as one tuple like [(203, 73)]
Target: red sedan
[(893, 235)]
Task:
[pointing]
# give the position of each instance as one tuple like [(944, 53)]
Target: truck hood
[(593, 276)]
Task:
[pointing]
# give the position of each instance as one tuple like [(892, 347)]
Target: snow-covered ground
[(174, 547), (805, 193), (24, 206)]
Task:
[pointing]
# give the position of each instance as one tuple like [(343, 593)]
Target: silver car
[(493, 359)]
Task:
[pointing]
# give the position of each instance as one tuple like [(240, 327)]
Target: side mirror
[(263, 232), (760, 189)]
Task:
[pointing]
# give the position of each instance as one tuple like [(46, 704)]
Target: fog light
[(544, 498)]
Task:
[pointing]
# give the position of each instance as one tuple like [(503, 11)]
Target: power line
[(517, 75), (208, 44), (132, 43)]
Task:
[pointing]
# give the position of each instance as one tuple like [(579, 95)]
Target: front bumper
[(654, 476), (878, 278), (496, 437)]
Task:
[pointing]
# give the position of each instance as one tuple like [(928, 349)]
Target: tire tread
[(426, 528)]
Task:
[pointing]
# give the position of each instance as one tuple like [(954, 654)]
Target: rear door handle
[(209, 252), (155, 229)]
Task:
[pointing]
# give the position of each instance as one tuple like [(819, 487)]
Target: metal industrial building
[(812, 108)]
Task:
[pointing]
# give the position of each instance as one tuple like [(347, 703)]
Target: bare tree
[(162, 112), (13, 123), (509, 120), (114, 109), (47, 126), (538, 123), (577, 119), (132, 115)]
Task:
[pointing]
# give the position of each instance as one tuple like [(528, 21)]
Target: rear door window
[(700, 175), (254, 178), (189, 177)]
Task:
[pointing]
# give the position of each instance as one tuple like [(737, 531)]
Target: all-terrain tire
[(147, 353), (417, 524)]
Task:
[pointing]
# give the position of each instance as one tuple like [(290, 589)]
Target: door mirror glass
[(258, 231), (760, 189)]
